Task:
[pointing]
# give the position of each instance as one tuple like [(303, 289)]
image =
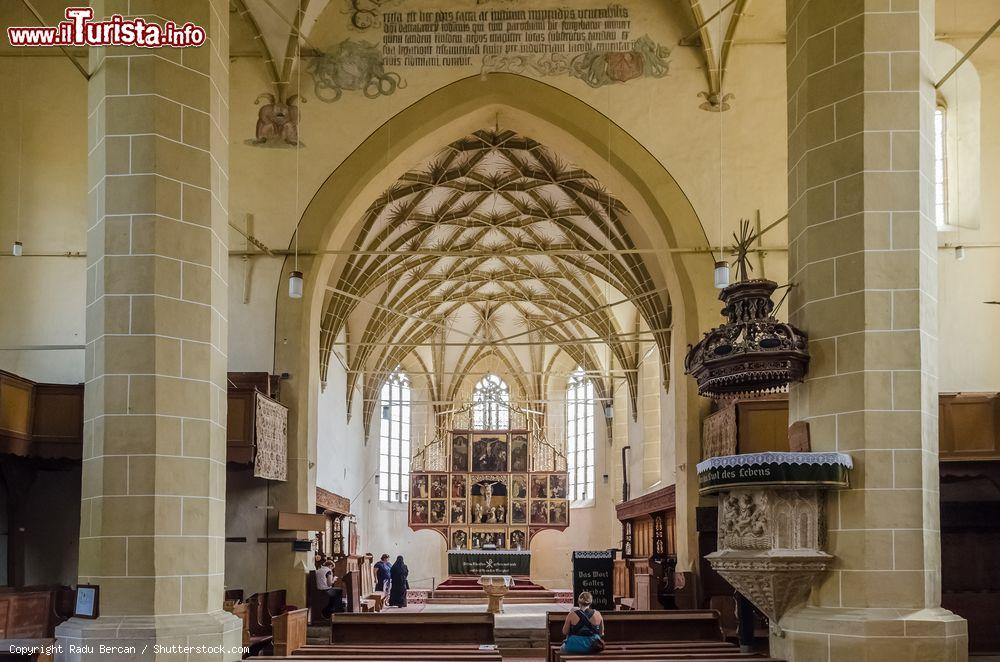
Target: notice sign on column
[(593, 572)]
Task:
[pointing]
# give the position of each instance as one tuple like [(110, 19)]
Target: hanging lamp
[(295, 277), (721, 277), (752, 352), (295, 285)]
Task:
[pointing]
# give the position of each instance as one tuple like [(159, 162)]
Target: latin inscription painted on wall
[(594, 44)]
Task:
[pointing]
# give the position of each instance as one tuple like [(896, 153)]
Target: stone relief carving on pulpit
[(743, 524)]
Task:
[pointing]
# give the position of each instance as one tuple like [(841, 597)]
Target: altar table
[(478, 562)]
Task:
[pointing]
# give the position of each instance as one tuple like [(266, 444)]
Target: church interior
[(411, 329)]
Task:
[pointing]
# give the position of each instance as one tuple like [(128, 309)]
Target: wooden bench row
[(644, 636), (678, 652), (405, 637), (691, 635)]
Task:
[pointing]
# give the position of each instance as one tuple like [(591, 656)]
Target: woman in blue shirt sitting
[(583, 627)]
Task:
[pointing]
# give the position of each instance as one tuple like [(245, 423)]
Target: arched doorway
[(661, 222)]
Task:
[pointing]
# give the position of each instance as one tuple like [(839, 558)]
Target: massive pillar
[(152, 524), (862, 253)]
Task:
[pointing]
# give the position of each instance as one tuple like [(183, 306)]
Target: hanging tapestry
[(270, 439)]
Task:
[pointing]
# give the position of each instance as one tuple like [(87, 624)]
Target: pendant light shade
[(17, 249), (721, 274), (295, 285)]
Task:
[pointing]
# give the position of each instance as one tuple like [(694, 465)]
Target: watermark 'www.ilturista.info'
[(80, 30)]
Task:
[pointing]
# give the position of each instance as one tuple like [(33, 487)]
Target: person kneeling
[(583, 628)]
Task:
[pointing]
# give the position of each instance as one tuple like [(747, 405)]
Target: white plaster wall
[(341, 453), (969, 360), (44, 172), (385, 530)]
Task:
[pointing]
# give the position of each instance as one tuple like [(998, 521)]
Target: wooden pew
[(376, 656), (289, 631), (418, 637), (693, 651), (405, 628), (686, 627), (656, 657), (27, 613), (261, 608)]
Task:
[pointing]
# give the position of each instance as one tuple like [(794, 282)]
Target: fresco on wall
[(645, 59), (593, 44), (353, 65), (277, 122)]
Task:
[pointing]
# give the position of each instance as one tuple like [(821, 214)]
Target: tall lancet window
[(491, 404), (941, 165), (580, 436), (394, 440)]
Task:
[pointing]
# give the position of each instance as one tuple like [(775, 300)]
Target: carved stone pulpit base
[(772, 580)]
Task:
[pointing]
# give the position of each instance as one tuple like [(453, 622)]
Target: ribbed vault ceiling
[(496, 252)]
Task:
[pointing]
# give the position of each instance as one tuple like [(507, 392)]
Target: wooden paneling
[(16, 402), (26, 614), (969, 426), (762, 426), (333, 502), (622, 579), (664, 499), (289, 631), (642, 537), (746, 426), (40, 420), (247, 381), (413, 628), (239, 426), (57, 427)]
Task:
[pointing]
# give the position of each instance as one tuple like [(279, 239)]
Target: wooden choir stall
[(338, 540), (644, 576)]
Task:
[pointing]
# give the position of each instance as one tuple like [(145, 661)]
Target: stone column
[(862, 253), (152, 526)]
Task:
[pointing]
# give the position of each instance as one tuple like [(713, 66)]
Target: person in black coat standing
[(399, 585)]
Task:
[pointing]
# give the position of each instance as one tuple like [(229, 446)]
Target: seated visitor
[(583, 627), (398, 583), (324, 582)]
